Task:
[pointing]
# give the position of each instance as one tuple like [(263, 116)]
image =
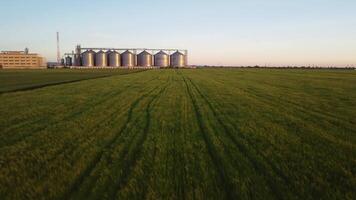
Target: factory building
[(126, 58), (21, 60)]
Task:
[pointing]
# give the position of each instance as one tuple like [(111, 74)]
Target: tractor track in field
[(123, 157), (313, 112), (25, 123), (95, 128), (202, 134), (265, 159), (146, 172), (263, 100), (125, 150), (129, 162), (89, 108), (216, 159), (80, 180), (68, 148), (179, 160), (329, 138), (257, 165), (63, 82), (317, 113), (183, 145)]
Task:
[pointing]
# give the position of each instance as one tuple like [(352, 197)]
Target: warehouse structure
[(21, 60), (125, 57)]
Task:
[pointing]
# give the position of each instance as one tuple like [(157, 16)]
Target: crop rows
[(182, 134)]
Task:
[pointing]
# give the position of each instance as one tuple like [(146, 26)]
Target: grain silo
[(114, 59), (101, 59), (77, 60), (68, 61), (128, 59), (144, 59), (177, 59), (161, 59), (88, 58)]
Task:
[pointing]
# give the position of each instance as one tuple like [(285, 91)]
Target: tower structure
[(58, 51)]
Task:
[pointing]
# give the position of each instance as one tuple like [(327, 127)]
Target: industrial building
[(126, 58), (21, 60)]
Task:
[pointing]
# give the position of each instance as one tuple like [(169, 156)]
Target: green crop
[(178, 134)]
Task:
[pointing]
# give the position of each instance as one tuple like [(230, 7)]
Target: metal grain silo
[(88, 58), (144, 59), (77, 60), (107, 57), (128, 59), (101, 59), (114, 59), (161, 59), (68, 61), (177, 59)]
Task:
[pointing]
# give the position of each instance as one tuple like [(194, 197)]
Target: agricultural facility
[(177, 133), (126, 58), (178, 100), (21, 60)]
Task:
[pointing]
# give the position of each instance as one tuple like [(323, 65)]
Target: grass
[(181, 134), (18, 80)]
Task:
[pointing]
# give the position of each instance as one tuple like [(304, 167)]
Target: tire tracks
[(63, 82), (257, 165), (80, 180), (216, 159), (131, 161), (69, 148), (330, 118), (89, 108), (316, 113)]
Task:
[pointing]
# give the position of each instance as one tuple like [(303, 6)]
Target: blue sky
[(225, 32)]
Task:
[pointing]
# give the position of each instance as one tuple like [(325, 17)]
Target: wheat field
[(178, 134)]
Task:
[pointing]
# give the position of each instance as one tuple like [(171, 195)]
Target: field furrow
[(178, 134), (105, 155), (275, 179), (213, 152)]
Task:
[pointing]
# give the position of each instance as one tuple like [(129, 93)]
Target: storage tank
[(177, 59), (144, 59), (77, 60), (88, 58), (107, 56), (68, 61), (114, 59), (128, 59), (161, 59), (101, 59)]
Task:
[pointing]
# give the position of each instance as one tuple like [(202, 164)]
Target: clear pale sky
[(225, 32)]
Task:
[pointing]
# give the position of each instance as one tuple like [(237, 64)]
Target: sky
[(224, 32)]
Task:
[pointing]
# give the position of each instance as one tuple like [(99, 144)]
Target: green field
[(19, 80), (179, 134)]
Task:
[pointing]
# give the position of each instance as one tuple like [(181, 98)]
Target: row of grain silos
[(112, 58)]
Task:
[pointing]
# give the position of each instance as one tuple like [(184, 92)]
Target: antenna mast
[(58, 51)]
